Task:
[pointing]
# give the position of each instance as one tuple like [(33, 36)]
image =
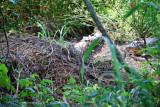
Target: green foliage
[(94, 95), (5, 83), (144, 93), (39, 91), (90, 48), (63, 32), (80, 94), (145, 21), (4, 79), (45, 34), (131, 12), (52, 12), (72, 80)]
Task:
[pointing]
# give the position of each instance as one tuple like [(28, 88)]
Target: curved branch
[(102, 30)]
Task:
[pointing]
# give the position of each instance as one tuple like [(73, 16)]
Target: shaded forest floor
[(58, 63)]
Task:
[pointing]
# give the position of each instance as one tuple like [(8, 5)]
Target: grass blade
[(93, 44), (131, 12)]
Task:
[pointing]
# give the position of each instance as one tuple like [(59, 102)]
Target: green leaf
[(72, 80), (79, 99), (39, 85), (10, 104), (82, 70), (67, 93), (93, 44), (14, 1), (44, 91), (24, 82), (30, 89), (53, 105), (33, 76), (92, 95), (45, 81), (64, 105), (131, 12), (5, 81), (3, 68), (87, 104), (13, 89), (24, 94)]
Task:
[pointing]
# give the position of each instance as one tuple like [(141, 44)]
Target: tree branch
[(102, 30), (4, 31)]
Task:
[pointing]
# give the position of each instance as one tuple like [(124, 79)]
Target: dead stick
[(5, 34)]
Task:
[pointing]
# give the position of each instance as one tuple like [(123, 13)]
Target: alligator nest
[(50, 61)]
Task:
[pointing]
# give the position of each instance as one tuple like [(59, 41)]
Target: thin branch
[(4, 31), (101, 28)]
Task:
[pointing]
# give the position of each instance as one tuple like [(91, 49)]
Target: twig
[(4, 31), (19, 75)]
